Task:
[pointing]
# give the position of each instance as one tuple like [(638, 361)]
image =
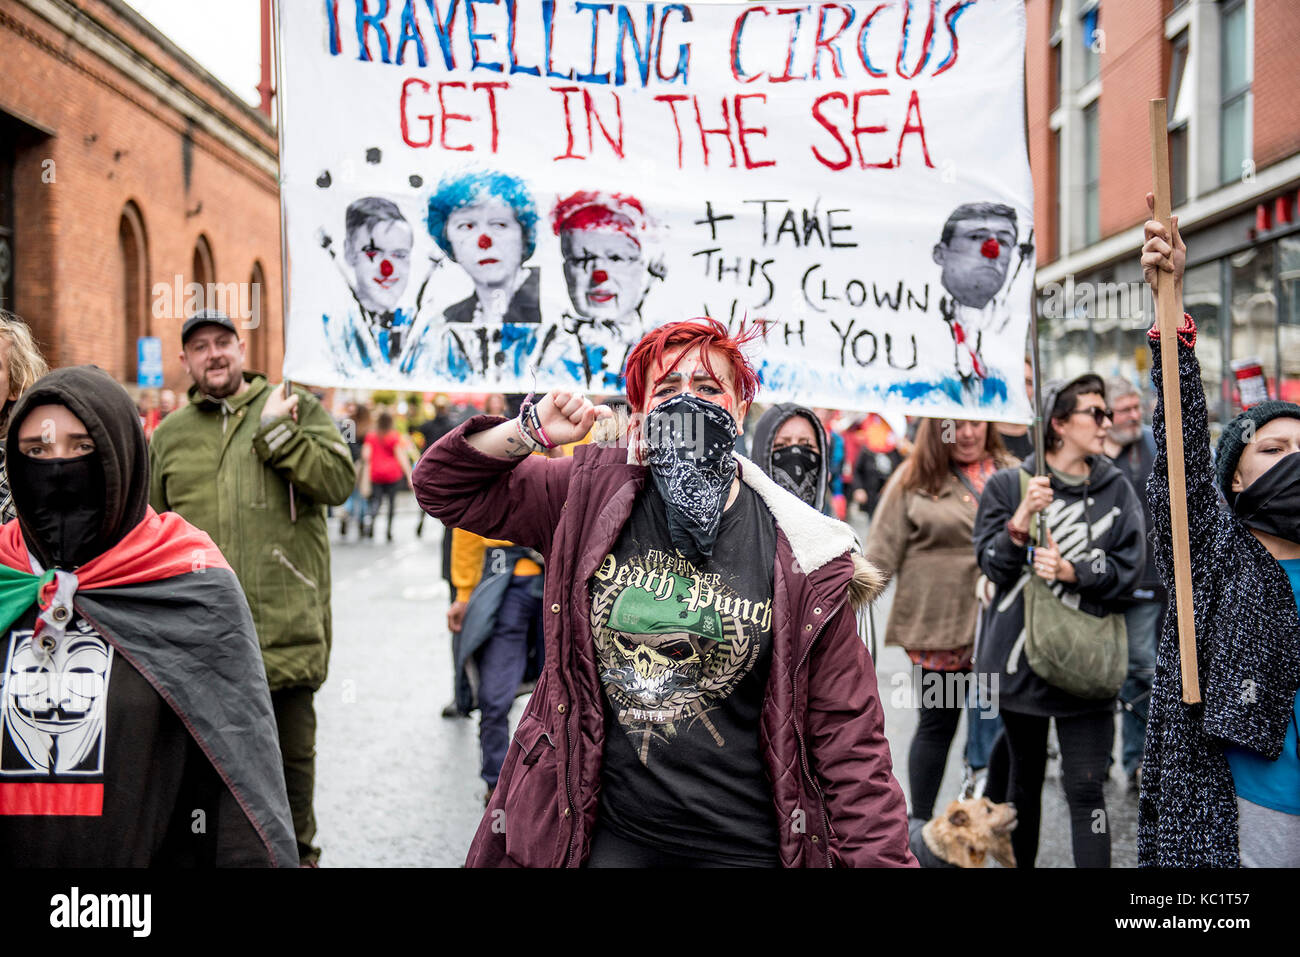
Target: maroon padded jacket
[(835, 797)]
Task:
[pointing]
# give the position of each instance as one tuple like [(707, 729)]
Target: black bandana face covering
[(1272, 502), (688, 450), (63, 504), (795, 469)]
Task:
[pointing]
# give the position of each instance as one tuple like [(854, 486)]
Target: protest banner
[(506, 195)]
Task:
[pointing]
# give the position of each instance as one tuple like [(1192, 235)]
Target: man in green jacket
[(231, 462)]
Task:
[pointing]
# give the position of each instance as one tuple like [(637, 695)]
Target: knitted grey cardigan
[(1247, 647)]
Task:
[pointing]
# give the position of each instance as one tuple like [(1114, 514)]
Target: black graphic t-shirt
[(684, 653), (96, 770)]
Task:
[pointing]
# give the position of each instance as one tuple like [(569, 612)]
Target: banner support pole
[(1040, 462), (284, 238)]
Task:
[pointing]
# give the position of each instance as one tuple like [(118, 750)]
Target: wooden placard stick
[(1168, 319)]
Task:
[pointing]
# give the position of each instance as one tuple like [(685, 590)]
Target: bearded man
[(705, 698), (255, 468)]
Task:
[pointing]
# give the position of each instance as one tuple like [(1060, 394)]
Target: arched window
[(203, 270), (133, 268), (257, 324)]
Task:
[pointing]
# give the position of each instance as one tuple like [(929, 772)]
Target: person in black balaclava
[(134, 701), (790, 446), (76, 483), (1259, 478)]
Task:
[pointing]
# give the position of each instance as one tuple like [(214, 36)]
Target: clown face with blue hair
[(486, 221)]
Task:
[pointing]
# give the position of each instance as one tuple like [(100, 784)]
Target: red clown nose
[(485, 241), (385, 269), (991, 248)]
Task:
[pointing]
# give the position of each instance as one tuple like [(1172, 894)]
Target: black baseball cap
[(208, 317)]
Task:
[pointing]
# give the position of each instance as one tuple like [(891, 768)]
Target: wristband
[(535, 424), (531, 422), (529, 442)]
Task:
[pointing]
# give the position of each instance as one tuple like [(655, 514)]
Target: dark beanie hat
[(1232, 442)]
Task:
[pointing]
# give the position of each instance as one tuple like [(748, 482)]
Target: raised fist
[(567, 417)]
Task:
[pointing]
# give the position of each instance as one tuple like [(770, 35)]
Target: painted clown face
[(606, 273), (380, 255), (488, 242), (975, 259)]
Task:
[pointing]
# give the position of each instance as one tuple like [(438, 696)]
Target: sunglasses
[(1099, 414)]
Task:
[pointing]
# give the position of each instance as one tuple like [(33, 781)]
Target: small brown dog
[(968, 831)]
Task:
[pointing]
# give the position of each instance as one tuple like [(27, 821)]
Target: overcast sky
[(223, 37)]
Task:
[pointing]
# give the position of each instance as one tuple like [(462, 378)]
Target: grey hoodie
[(764, 433)]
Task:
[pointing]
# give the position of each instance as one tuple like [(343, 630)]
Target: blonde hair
[(26, 364)]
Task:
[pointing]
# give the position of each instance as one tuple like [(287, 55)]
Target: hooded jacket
[(215, 463), (1247, 652), (835, 798), (1099, 529), (765, 433), (166, 601)]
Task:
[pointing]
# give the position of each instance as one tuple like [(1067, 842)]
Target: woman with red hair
[(706, 699)]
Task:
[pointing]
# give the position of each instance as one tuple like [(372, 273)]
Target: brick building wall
[(1134, 67), (195, 162), (1133, 70), (1277, 81)]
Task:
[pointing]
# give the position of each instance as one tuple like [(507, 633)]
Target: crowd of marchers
[(669, 575)]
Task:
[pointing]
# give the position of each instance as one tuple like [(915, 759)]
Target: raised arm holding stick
[(1216, 773)]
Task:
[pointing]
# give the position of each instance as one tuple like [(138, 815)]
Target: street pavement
[(397, 785)]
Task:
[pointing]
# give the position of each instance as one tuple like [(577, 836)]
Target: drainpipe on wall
[(264, 87)]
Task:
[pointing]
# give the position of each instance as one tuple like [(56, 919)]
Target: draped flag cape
[(167, 601)]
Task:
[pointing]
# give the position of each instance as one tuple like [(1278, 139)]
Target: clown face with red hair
[(607, 241)]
